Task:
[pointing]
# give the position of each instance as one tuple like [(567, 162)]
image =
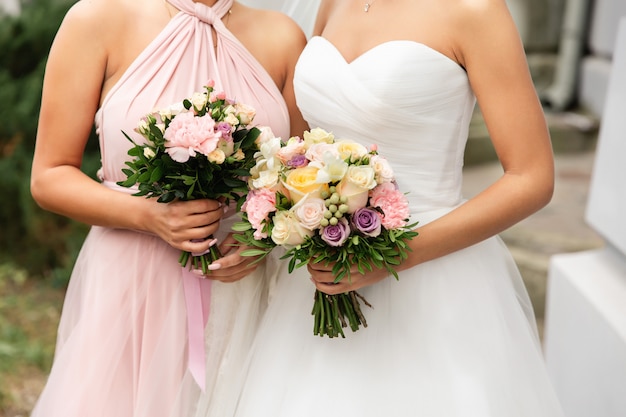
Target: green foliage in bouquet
[(327, 201), (201, 148)]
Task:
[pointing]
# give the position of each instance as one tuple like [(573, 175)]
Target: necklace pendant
[(366, 8)]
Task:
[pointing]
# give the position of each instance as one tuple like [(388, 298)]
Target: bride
[(455, 335)]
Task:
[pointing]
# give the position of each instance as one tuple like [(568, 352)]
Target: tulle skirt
[(122, 340), (452, 337)]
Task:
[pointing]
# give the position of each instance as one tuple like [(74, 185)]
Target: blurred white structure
[(302, 11), (10, 7), (595, 68), (585, 328)]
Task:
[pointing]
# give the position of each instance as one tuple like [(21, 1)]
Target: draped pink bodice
[(179, 61)]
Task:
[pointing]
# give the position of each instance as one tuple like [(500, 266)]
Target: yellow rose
[(302, 181)]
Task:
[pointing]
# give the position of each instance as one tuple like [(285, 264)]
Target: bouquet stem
[(334, 312), (200, 261)]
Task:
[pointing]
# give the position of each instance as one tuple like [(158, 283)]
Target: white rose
[(143, 127), (216, 156), (310, 211), (318, 135), (231, 119), (356, 185), (349, 149), (266, 135), (172, 111), (287, 229), (239, 155), (198, 100), (382, 168), (148, 152), (245, 113)]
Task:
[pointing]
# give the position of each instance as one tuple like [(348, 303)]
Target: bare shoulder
[(274, 39), (481, 24), (271, 27), (485, 14), (93, 17)]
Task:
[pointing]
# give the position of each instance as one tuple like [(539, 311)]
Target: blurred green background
[(37, 248)]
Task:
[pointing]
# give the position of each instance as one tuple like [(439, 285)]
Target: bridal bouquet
[(202, 147), (331, 201)]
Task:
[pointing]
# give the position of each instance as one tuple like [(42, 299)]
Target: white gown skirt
[(453, 337)]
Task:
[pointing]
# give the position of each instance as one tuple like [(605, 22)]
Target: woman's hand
[(185, 225), (231, 266), (323, 277)]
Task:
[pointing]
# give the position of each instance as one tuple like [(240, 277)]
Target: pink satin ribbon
[(198, 301)]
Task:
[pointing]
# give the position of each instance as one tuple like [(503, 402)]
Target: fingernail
[(212, 242), (214, 267), (225, 208), (197, 272)]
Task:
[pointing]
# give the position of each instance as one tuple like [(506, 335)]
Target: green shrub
[(43, 243)]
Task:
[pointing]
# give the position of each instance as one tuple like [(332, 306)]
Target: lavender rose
[(336, 235), (297, 161), (367, 221)]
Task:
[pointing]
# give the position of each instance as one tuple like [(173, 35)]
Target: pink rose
[(310, 212), (291, 150), (188, 134), (393, 203), (316, 152), (259, 204)]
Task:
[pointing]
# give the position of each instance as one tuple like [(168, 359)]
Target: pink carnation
[(393, 203), (259, 204), (188, 134)]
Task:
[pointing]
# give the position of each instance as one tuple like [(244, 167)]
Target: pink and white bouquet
[(331, 201), (201, 147)]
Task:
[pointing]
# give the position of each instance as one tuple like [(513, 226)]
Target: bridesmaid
[(122, 343)]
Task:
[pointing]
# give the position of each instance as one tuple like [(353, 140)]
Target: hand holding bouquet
[(202, 147), (331, 201)]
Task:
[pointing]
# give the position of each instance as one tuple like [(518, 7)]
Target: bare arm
[(489, 48), (78, 66)]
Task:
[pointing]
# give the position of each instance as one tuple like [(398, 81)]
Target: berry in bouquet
[(326, 200), (201, 147)]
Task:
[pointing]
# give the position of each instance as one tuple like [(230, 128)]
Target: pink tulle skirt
[(122, 340)]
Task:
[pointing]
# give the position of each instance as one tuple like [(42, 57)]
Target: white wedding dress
[(453, 337)]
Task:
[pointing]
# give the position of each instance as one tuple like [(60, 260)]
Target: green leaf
[(253, 252), (241, 226), (156, 175), (135, 151)]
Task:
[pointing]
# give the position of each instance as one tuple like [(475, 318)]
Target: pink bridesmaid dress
[(122, 347)]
